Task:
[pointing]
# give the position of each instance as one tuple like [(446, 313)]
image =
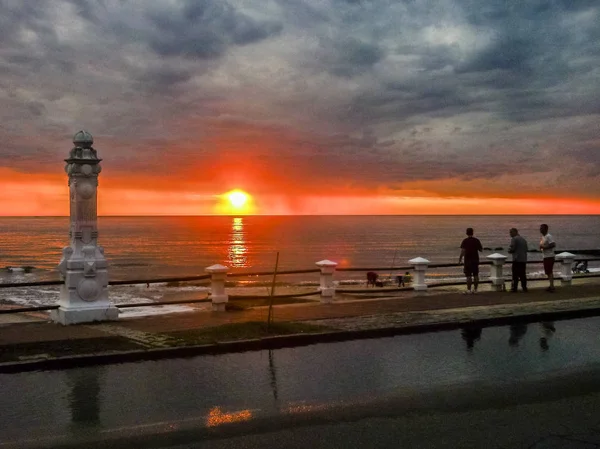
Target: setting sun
[(237, 198), (234, 202)]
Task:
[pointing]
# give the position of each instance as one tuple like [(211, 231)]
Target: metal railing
[(445, 283), (264, 273)]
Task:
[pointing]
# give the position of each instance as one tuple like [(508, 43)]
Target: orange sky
[(304, 182), (48, 196), (194, 181)]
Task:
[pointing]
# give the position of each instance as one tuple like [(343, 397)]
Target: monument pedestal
[(66, 316)]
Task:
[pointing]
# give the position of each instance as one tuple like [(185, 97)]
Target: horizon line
[(308, 215)]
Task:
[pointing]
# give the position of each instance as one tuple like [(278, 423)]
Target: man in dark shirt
[(470, 249)]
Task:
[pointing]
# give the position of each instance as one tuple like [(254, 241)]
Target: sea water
[(159, 247)]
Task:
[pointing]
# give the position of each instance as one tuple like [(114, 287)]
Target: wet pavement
[(535, 385), (531, 385)]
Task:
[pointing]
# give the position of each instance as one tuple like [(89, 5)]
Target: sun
[(234, 202), (237, 199)]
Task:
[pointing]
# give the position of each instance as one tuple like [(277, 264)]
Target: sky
[(308, 106)]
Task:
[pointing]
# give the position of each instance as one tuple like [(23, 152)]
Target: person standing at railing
[(470, 249), (547, 246), (400, 280), (518, 249), (407, 278), (404, 279)]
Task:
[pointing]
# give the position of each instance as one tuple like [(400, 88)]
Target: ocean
[(159, 247)]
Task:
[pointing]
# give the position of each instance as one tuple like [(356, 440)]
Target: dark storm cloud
[(202, 29), (534, 50), (508, 54), (163, 78), (429, 95), (492, 12), (86, 9), (352, 57), (17, 14)]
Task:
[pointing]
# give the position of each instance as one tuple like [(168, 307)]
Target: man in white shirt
[(547, 248)]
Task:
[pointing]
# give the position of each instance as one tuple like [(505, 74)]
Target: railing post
[(218, 276), (497, 271), (566, 272), (326, 280), (420, 265)]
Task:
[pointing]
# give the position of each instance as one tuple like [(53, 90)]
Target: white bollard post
[(566, 272), (420, 265), (218, 275), (326, 280), (497, 271)]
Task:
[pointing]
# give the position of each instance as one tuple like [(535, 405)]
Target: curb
[(283, 341)]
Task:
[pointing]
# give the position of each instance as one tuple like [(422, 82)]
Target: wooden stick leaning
[(270, 316)]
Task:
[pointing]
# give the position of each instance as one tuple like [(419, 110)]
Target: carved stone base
[(87, 315)]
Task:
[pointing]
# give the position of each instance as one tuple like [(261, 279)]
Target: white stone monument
[(84, 294)]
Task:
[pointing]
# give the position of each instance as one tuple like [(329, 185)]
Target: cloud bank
[(432, 98)]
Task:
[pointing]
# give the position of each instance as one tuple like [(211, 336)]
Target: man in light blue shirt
[(518, 249)]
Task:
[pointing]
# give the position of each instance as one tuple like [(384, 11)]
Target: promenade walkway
[(20, 341)]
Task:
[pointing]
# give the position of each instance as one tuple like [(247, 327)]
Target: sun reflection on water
[(237, 251)]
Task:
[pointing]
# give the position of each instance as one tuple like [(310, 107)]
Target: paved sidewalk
[(404, 308)]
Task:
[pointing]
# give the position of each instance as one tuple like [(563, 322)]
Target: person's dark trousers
[(519, 273)]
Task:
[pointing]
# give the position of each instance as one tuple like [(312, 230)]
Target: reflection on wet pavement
[(391, 376)]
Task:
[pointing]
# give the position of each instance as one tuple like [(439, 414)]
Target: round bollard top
[(217, 268), (497, 256), (83, 139), (418, 261), (326, 264), (565, 255)]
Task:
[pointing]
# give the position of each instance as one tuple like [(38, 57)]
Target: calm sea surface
[(157, 247), (179, 246)]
